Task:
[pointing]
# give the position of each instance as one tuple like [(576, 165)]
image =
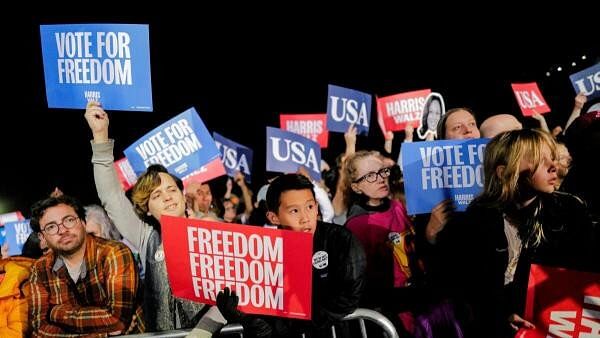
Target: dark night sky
[(250, 69)]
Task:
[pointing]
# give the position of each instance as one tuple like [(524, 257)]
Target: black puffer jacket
[(337, 284)]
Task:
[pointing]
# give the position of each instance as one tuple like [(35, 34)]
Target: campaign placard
[(587, 81), (125, 172), (235, 157), (398, 110), (439, 170), (183, 145), (434, 110), (2, 234), (214, 168), (562, 303), (11, 217), (530, 98), (287, 151), (311, 126), (108, 63), (348, 106), (270, 270), (15, 236)]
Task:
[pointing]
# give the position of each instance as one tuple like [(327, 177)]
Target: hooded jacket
[(13, 301)]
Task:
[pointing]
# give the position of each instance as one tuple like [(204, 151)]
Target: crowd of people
[(100, 270)]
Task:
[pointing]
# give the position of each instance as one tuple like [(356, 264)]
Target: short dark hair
[(284, 183), (39, 209)]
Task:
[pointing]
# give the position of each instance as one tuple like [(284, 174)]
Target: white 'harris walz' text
[(405, 110)]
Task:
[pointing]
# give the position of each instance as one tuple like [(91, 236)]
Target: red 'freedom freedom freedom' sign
[(271, 270)]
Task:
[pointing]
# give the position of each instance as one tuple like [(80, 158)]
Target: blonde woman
[(518, 219)]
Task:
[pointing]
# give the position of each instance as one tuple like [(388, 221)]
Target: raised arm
[(350, 138), (542, 120), (325, 205), (110, 192), (387, 144), (246, 193), (408, 138), (409, 133), (580, 100)]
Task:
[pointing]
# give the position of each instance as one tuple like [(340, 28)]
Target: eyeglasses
[(372, 176), (68, 222)]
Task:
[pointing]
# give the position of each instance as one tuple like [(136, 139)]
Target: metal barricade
[(230, 329), (162, 334), (373, 316)]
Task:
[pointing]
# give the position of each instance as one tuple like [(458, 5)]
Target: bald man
[(497, 124)]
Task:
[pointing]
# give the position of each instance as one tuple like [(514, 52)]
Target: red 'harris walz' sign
[(269, 269)]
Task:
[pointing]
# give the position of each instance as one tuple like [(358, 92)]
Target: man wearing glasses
[(84, 285)]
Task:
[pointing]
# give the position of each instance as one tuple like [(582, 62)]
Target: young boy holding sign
[(338, 263)]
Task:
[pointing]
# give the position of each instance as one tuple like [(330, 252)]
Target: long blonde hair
[(501, 187), (508, 149)]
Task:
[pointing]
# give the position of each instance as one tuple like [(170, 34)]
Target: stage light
[(583, 57), (559, 69)]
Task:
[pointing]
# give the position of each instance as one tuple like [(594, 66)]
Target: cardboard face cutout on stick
[(433, 110)]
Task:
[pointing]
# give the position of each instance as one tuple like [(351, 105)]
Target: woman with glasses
[(383, 228)]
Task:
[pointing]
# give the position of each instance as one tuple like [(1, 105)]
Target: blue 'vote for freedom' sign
[(439, 170), (2, 234), (183, 145), (108, 63), (16, 235)]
